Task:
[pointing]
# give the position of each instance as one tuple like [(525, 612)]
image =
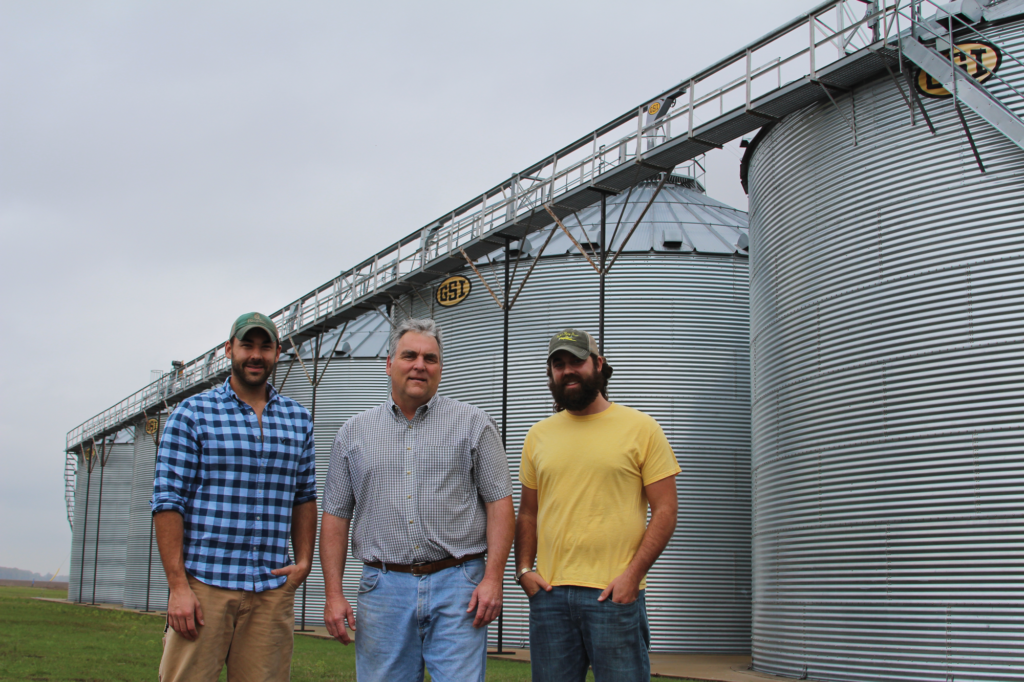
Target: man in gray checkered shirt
[(424, 483)]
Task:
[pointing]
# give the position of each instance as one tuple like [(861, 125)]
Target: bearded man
[(588, 474), (235, 475)]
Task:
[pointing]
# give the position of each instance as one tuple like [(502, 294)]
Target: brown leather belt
[(424, 567)]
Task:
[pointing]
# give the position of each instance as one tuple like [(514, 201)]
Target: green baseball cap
[(575, 341), (246, 323)]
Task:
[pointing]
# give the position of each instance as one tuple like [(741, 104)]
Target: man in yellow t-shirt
[(588, 474)]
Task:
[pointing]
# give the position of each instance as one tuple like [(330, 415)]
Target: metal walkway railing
[(833, 47)]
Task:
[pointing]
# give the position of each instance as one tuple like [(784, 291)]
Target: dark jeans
[(570, 630)]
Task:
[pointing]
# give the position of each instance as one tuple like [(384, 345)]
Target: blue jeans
[(404, 621), (570, 630)]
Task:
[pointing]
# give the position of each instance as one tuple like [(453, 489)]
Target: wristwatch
[(521, 572)]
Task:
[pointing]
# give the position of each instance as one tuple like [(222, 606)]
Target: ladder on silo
[(70, 482)]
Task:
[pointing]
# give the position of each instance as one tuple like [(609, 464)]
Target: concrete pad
[(97, 605), (703, 667)]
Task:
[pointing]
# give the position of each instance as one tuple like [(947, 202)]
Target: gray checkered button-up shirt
[(416, 489)]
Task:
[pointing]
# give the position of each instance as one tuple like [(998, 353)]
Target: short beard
[(238, 372), (580, 398)]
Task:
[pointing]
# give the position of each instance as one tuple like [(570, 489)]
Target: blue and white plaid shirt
[(234, 485)]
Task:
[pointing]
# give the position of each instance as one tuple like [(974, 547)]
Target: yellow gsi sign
[(979, 59), (452, 291)]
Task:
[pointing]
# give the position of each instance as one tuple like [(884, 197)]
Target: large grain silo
[(886, 328), (145, 585), (676, 332), (100, 535), (350, 377)]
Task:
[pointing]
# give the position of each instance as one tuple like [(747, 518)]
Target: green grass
[(54, 642), (48, 641), (64, 642)]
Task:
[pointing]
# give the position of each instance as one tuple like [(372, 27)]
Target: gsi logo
[(452, 291), (979, 59)]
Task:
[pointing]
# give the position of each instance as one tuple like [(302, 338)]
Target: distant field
[(64, 642), (39, 583)]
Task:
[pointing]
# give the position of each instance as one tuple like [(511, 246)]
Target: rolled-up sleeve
[(305, 477), (339, 496), (490, 466), (176, 462)]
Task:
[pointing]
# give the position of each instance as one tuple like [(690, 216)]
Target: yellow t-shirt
[(589, 473)]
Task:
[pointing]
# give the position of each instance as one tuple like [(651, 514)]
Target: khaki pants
[(250, 631)]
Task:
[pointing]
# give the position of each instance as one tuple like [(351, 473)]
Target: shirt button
[(410, 426), (407, 473), (408, 497), (416, 547), (257, 518), (410, 522), (408, 448)]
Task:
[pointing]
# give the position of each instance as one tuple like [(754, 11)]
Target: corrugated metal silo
[(888, 449), (145, 585), (97, 573), (352, 381), (677, 335)]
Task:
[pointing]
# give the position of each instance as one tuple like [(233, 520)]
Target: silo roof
[(681, 219), (364, 337)]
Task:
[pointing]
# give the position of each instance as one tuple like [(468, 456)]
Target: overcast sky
[(167, 166)]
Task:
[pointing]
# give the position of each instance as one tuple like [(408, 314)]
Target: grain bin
[(100, 534), (888, 449), (145, 583), (677, 335)]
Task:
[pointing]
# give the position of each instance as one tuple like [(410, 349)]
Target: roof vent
[(672, 238)]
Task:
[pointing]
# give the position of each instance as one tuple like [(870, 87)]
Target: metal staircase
[(955, 77), (70, 482)]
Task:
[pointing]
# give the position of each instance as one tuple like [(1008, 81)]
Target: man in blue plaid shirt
[(235, 477)]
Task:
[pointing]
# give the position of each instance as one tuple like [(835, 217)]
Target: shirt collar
[(230, 392), (394, 409)]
